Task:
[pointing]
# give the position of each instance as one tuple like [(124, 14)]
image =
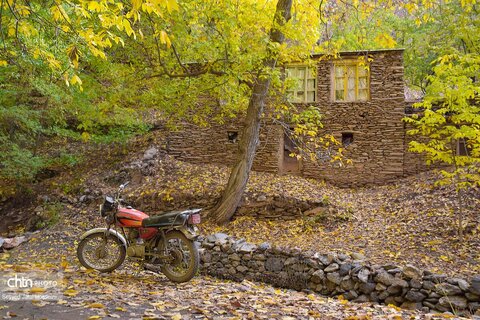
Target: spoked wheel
[(182, 262), (100, 252)]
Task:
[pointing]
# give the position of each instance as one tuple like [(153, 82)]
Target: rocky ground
[(411, 221)]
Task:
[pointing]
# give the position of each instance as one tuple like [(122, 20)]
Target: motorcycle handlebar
[(122, 186)]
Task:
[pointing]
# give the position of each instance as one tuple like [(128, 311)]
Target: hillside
[(410, 221)]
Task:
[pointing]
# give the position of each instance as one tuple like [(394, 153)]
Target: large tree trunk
[(239, 175)]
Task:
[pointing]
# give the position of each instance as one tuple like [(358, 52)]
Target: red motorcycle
[(165, 241)]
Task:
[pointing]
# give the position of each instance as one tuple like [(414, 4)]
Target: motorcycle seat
[(172, 218)]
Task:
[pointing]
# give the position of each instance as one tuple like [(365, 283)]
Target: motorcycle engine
[(137, 251)]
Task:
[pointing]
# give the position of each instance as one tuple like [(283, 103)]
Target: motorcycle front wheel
[(183, 258), (101, 252)]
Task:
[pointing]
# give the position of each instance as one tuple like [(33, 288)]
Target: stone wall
[(377, 150), (338, 274), (280, 208), (212, 145)]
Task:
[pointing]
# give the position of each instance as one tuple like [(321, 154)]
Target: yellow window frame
[(345, 64), (308, 70)]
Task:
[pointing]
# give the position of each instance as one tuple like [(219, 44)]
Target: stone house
[(361, 97)]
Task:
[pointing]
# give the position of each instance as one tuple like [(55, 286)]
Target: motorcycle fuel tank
[(130, 218)]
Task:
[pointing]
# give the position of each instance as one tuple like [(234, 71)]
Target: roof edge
[(358, 52)]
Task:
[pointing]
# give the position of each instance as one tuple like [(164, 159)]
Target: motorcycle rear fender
[(190, 233), (103, 230)]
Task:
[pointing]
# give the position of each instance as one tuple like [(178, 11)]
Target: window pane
[(351, 84), (362, 71), (362, 94), (339, 71), (312, 73), (300, 84), (362, 83), (339, 83), (351, 95), (351, 71), (301, 73), (311, 84), (311, 96), (339, 95), (300, 96)]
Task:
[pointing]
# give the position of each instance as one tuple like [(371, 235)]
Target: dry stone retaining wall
[(338, 274)]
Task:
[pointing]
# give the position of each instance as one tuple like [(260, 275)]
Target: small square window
[(232, 136), (304, 89), (351, 81), (347, 138)]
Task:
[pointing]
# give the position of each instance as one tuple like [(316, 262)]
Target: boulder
[(234, 257), (366, 287), (385, 278), (475, 285), (347, 284), (332, 267), (242, 269), (345, 269), (324, 259), (217, 236), (456, 302), (318, 276), (358, 256), (264, 246), (334, 277), (399, 283), (447, 289), (247, 247), (462, 284), (416, 284), (363, 275), (10, 243), (415, 296), (350, 295), (150, 154), (412, 272)]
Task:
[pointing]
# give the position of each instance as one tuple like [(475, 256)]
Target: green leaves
[(449, 129)]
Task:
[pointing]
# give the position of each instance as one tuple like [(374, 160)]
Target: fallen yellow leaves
[(37, 290), (70, 292)]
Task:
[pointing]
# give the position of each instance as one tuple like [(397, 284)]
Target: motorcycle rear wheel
[(100, 252), (184, 257)]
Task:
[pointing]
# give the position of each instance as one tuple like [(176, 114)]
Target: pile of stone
[(338, 274), (280, 208)]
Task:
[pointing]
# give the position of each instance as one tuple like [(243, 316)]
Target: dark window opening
[(232, 136), (347, 138)]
